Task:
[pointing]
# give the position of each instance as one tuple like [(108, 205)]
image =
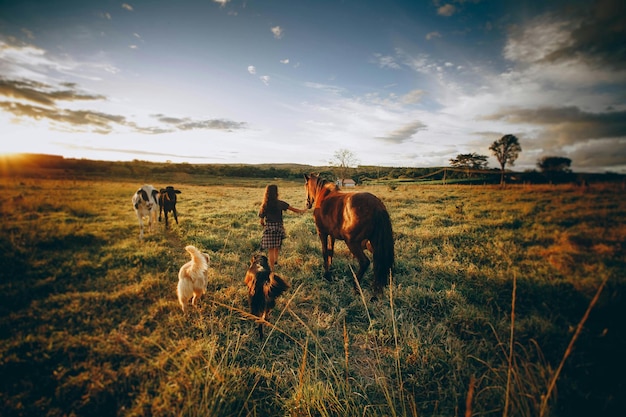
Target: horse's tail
[(382, 245)]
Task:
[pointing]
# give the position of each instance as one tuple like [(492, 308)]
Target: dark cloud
[(599, 37), (42, 93), (404, 133), (38, 100), (567, 125), (87, 118), (610, 153), (602, 36), (100, 122)]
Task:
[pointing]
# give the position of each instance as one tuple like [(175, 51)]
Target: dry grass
[(89, 321)]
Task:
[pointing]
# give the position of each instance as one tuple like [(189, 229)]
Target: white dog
[(193, 277)]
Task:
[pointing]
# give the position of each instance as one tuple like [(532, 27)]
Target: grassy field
[(490, 287)]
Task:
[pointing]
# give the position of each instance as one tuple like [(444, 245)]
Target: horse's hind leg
[(357, 250), (330, 253), (328, 243)]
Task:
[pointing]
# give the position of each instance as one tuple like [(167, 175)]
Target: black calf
[(167, 201)]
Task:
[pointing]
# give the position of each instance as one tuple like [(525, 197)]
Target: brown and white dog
[(264, 287), (193, 277)]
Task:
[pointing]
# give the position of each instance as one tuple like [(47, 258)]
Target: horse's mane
[(324, 187), (324, 183)]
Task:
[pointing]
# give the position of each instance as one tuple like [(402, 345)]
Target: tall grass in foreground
[(482, 317)]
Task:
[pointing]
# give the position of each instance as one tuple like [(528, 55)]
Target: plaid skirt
[(273, 235)]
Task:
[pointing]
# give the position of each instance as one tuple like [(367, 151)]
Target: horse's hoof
[(328, 276)]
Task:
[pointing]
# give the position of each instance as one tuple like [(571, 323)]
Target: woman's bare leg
[(273, 257)]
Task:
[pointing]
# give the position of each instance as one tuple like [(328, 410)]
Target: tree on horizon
[(506, 150), (554, 164), (469, 161), (343, 161)]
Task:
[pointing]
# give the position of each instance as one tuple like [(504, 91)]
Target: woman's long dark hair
[(270, 200)]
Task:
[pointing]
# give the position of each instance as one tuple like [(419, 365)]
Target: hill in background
[(55, 166)]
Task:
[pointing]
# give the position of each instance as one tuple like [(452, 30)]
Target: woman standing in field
[(271, 215)]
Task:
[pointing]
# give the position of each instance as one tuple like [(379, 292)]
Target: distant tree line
[(465, 169), (52, 164)]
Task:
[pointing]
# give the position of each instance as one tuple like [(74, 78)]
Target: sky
[(403, 83)]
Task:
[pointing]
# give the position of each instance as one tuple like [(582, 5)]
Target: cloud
[(277, 31), (21, 60), (222, 3), (42, 93), (151, 130), (386, 61), (209, 124), (446, 10), (432, 35), (600, 153), (537, 39), (420, 63), (284, 61), (104, 123), (18, 57), (600, 36), (567, 125), (127, 7), (504, 103), (97, 121), (404, 133), (40, 101), (325, 87), (595, 35), (412, 97), (264, 78)]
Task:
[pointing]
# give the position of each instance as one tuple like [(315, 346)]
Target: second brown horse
[(360, 219)]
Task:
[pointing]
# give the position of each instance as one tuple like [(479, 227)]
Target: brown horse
[(360, 219)]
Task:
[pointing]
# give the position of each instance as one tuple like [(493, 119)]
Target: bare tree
[(506, 150), (343, 161)]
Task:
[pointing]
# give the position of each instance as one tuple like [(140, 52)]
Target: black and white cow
[(146, 204), (167, 201)]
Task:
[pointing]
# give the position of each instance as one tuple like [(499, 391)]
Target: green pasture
[(485, 314)]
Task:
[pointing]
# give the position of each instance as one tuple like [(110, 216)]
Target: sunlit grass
[(90, 324)]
